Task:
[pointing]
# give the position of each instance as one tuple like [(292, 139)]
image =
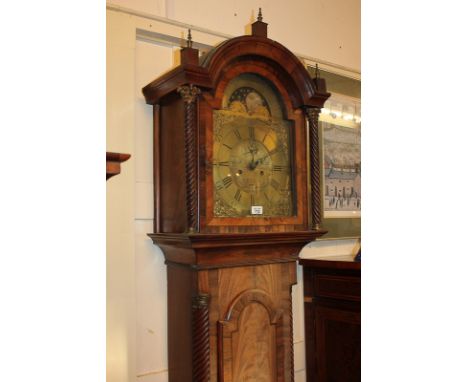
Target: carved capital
[(312, 112), (200, 301), (189, 93)]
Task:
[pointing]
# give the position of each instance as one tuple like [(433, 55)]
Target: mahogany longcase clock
[(237, 195)]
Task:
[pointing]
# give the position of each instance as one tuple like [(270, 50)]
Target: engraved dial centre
[(252, 166)]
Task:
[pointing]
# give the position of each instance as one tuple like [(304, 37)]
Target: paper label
[(257, 210)]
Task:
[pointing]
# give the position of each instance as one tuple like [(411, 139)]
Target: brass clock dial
[(251, 153)]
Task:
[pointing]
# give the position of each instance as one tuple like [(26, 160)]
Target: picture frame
[(339, 137)]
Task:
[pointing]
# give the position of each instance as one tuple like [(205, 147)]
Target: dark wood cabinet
[(332, 308)]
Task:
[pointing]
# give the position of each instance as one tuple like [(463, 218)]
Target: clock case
[(230, 279)]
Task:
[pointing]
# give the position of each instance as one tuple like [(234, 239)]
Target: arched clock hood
[(258, 50)]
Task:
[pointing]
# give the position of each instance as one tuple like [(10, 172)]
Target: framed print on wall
[(341, 158), (340, 138)]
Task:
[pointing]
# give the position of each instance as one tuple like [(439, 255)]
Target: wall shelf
[(113, 161)]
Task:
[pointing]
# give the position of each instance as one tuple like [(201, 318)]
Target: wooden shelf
[(113, 161)]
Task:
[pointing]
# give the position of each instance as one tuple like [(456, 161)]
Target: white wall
[(136, 279), (120, 318)]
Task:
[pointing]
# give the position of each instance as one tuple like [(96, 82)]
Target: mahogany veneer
[(229, 304)]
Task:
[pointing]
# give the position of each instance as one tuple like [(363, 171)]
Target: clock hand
[(252, 164), (267, 156), (252, 151)]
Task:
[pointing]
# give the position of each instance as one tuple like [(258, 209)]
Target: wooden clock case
[(229, 279)]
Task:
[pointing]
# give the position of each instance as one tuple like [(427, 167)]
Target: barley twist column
[(189, 94), (291, 336), (201, 338), (313, 116)]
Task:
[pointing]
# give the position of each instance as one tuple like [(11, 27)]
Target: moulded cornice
[(219, 250), (179, 76)]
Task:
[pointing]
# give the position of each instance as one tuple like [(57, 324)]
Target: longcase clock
[(237, 195)]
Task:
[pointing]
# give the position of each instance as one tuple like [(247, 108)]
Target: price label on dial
[(257, 210)]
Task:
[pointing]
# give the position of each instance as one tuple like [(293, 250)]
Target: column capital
[(189, 93), (312, 110), (200, 301)]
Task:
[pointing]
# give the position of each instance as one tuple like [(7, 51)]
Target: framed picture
[(341, 158), (340, 139)]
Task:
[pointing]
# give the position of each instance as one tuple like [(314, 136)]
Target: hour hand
[(270, 153), (253, 164), (260, 160)]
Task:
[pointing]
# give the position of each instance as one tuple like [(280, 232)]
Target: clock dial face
[(251, 155)]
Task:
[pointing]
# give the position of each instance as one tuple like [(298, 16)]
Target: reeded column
[(201, 338), (312, 114), (189, 94)]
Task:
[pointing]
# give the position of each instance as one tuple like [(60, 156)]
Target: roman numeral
[(237, 134), (227, 181), (274, 151), (252, 199), (229, 147), (218, 185), (238, 195), (275, 184), (279, 168), (224, 163), (251, 133)]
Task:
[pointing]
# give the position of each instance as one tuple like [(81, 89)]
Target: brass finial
[(317, 71), (259, 17), (189, 39)]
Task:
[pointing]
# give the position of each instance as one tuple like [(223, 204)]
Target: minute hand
[(270, 153), (260, 160)]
